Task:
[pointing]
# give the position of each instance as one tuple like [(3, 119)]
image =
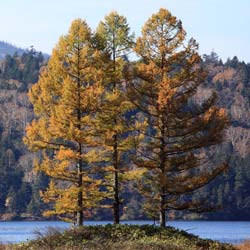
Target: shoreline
[(127, 237), (214, 230)]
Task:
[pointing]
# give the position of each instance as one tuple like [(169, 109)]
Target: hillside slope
[(9, 49), (20, 185)]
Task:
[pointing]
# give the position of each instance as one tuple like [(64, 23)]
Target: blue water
[(223, 231)]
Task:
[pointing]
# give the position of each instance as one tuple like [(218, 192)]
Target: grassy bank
[(122, 237)]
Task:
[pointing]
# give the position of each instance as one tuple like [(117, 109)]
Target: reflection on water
[(223, 231)]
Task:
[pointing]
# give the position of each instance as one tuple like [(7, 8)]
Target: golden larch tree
[(115, 121), (66, 99), (164, 85)]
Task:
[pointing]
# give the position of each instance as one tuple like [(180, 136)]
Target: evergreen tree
[(11, 201), (23, 197)]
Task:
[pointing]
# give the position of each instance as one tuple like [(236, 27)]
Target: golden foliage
[(93, 114), (65, 100), (167, 78)]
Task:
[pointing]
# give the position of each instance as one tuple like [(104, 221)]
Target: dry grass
[(116, 237)]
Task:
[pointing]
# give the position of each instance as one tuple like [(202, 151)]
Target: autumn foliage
[(114, 123), (65, 100), (101, 120), (163, 88)]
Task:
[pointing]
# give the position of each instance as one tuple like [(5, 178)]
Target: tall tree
[(65, 100), (179, 125), (116, 41)]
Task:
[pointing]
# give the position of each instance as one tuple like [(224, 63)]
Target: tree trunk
[(116, 204), (163, 211), (79, 215), (162, 167), (79, 218)]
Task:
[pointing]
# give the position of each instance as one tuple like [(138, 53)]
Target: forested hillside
[(231, 81), (20, 185), (9, 49)]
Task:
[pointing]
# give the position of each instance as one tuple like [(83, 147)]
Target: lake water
[(223, 231)]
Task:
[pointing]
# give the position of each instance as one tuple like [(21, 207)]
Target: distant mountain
[(9, 49)]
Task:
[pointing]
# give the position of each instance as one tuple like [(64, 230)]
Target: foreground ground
[(122, 237)]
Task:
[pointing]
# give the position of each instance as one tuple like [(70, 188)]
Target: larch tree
[(115, 118), (180, 127), (66, 99)]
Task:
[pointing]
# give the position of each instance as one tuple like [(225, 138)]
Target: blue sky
[(219, 25)]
